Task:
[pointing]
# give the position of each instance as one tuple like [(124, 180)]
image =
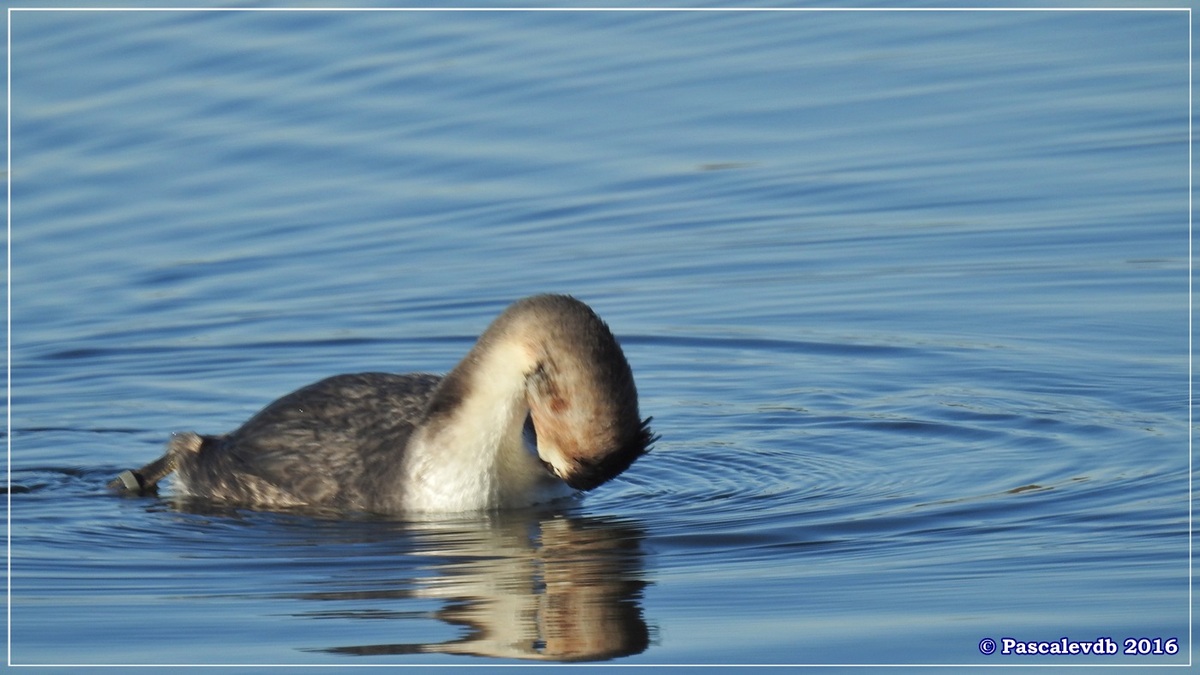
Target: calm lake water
[(907, 294)]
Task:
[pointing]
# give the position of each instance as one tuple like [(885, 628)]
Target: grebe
[(542, 406)]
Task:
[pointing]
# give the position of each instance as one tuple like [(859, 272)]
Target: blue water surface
[(907, 294)]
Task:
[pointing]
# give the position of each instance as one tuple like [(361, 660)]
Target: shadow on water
[(550, 588)]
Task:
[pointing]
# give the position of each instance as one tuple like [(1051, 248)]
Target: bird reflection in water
[(550, 588)]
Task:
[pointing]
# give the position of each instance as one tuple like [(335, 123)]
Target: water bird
[(543, 406)]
